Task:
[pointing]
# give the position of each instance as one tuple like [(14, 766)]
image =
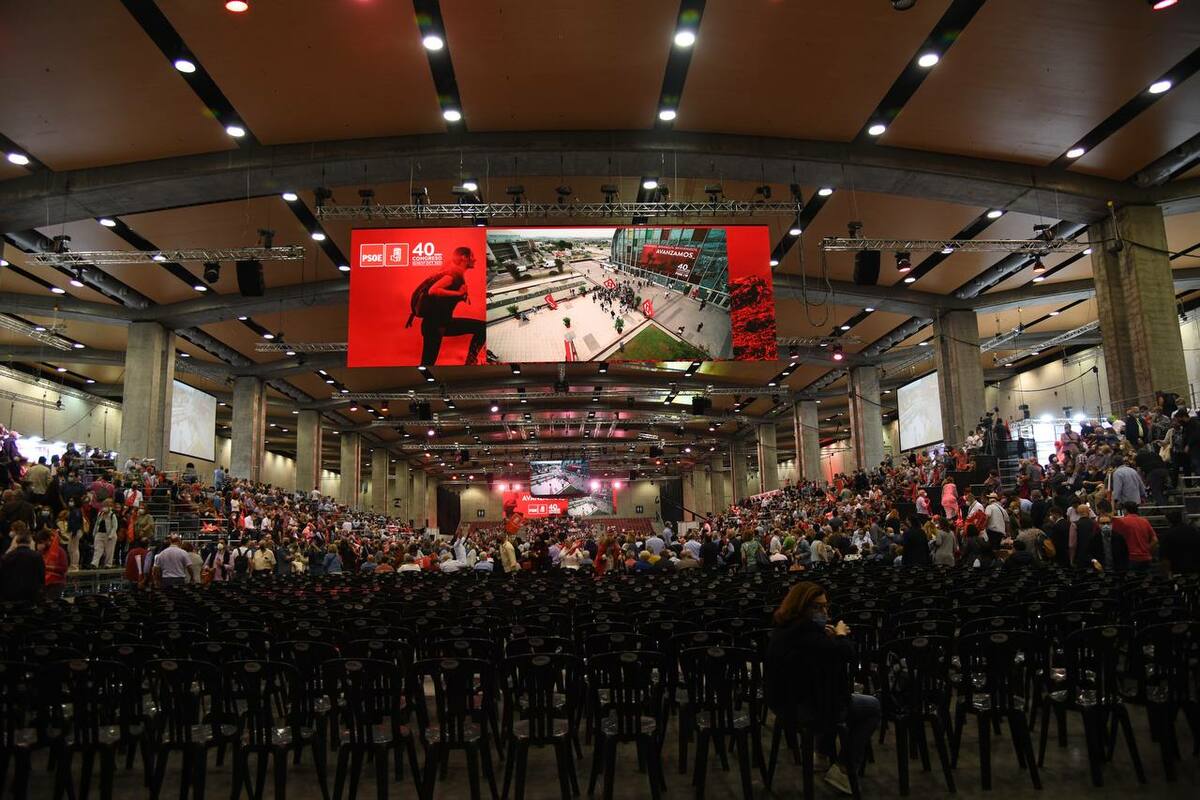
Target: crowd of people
[(1080, 509)]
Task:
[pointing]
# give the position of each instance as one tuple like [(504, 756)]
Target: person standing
[(37, 479), (138, 564), (437, 310), (104, 535), (55, 560), (1139, 536), (996, 520), (22, 570), (1127, 486), (173, 565), (950, 499), (508, 557)]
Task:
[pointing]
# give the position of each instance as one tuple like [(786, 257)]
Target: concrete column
[(249, 428), (701, 490), (689, 496), (147, 393), (380, 461), (402, 491), (716, 487), (416, 503), (866, 423), (737, 475), (808, 441), (768, 457), (351, 466), (308, 451), (960, 374), (1135, 297)]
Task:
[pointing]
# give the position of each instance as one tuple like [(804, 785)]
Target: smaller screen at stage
[(531, 507), (564, 478)]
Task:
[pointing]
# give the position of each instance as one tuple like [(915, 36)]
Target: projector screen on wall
[(193, 422), (920, 413)]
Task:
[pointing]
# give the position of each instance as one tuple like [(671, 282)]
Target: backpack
[(417, 305), (241, 561), (761, 558)]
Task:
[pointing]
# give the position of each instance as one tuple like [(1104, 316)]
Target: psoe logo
[(395, 254), (370, 255)]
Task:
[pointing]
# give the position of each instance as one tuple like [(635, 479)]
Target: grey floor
[(1065, 774)]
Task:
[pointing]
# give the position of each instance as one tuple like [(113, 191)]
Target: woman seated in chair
[(805, 658)]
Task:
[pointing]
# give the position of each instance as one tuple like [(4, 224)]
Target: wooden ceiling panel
[(1183, 231), (84, 86), (565, 65), (314, 70), (1027, 79), (1159, 129), (797, 69)]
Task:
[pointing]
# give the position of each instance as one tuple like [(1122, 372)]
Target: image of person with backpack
[(434, 301), (241, 561)]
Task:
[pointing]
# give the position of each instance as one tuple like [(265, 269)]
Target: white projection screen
[(920, 412), (193, 422)]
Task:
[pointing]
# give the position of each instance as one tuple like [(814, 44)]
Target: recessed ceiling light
[(90, 380), (1055, 313), (40, 328), (159, 257), (108, 223), (185, 65), (291, 197), (451, 114), (268, 335), (236, 131), (877, 129), (825, 191), (1159, 5), (1087, 251), (243, 318), (927, 60), (61, 369), (78, 284), (20, 159), (666, 114), (433, 42), (237, 6), (200, 287), (649, 184), (290, 353), (947, 250), (1039, 279), (868, 309), (343, 267), (317, 236), (795, 231), (57, 290), (685, 38), (910, 279), (845, 327), (923, 344), (995, 213), (1158, 87), (470, 186), (78, 345), (1076, 152), (774, 262)]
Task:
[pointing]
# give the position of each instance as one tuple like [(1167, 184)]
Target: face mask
[(820, 619)]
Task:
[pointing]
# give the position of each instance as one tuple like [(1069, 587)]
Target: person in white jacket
[(104, 536)]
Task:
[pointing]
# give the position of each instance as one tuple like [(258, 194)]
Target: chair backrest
[(534, 683), (715, 679), (462, 689), (916, 673), (179, 688), (1000, 664), (1093, 662), (613, 642), (100, 692), (369, 691), (545, 644), (1165, 658), (268, 690), (633, 685)]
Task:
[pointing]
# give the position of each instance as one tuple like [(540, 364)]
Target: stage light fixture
[(650, 184), (470, 185), (290, 197), (516, 368), (602, 368), (77, 279), (1076, 152), (20, 159), (947, 250), (795, 231), (1038, 266), (200, 287), (212, 271), (903, 5), (494, 408), (838, 355), (903, 262), (774, 262)]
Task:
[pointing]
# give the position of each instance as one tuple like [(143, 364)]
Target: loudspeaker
[(250, 278), (866, 267), (701, 405), (464, 456), (424, 411), (656, 452)]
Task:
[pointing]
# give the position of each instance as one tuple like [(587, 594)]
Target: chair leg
[(776, 735), (902, 755), (960, 721), (485, 755), (684, 735), (1041, 759), (985, 751), (472, 753), (923, 745), (281, 765), (741, 741), (610, 765), (22, 767), (339, 779), (200, 772), (1122, 714), (1162, 728), (939, 741), (521, 752), (562, 751), (381, 773), (509, 766), (356, 764), (62, 776), (108, 769), (1018, 726), (701, 766), (807, 745), (260, 782), (320, 763), (432, 759), (597, 760), (1094, 736)]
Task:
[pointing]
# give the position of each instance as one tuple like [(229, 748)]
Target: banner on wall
[(533, 507), (474, 295)]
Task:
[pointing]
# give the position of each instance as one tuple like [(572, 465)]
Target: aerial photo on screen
[(608, 294), (558, 478)]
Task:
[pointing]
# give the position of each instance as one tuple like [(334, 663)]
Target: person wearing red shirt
[(136, 567), (55, 559), (1139, 535)]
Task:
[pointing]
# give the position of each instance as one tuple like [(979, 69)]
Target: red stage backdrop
[(417, 296), (533, 507)]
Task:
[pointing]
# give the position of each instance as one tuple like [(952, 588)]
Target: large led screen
[(193, 422), (920, 412), (566, 478), (511, 295)]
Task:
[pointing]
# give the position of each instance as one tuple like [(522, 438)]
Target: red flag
[(550, 301), (609, 283), (648, 308)]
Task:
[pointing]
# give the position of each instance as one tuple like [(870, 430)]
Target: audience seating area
[(351, 679), (636, 526)]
